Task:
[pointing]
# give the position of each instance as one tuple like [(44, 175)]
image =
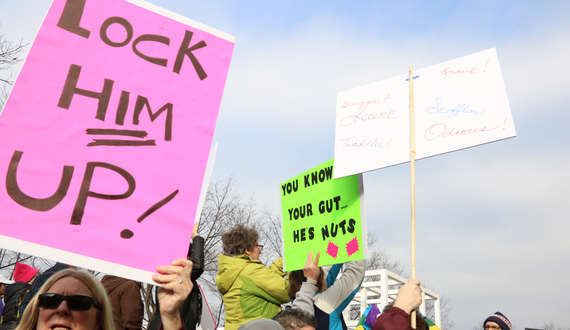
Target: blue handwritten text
[(452, 112)]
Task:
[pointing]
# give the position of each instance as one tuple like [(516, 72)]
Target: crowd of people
[(67, 298)]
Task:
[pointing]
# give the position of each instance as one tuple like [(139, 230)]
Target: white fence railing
[(384, 291)]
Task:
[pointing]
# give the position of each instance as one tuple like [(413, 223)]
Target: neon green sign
[(322, 214)]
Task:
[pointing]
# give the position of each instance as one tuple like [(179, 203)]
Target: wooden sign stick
[(413, 179)]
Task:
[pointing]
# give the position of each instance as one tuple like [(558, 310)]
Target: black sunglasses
[(76, 302)]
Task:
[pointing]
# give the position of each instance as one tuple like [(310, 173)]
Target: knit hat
[(24, 273), (4, 280), (500, 319)]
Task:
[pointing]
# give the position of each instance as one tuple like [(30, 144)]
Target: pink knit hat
[(24, 273)]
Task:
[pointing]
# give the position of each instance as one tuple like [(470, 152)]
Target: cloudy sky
[(492, 230)]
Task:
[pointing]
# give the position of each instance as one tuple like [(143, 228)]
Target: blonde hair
[(30, 316)]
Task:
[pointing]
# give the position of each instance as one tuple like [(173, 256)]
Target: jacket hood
[(229, 269)]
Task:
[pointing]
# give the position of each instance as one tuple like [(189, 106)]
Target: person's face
[(2, 288), (62, 318), (492, 326), (255, 253)]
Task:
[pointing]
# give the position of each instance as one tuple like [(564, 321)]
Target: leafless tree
[(478, 327), (9, 258), (381, 259), (147, 297), (444, 310), (10, 55), (224, 207), (271, 236), (3, 96), (551, 326)]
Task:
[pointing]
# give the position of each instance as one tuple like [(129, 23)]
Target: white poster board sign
[(458, 104)]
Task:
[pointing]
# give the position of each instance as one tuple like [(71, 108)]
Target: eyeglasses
[(75, 302), (260, 247), (491, 327)]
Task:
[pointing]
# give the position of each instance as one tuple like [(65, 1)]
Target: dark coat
[(191, 309), (13, 296), (125, 298)]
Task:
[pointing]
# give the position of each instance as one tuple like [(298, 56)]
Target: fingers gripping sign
[(175, 288), (195, 230), (311, 269), (409, 296)]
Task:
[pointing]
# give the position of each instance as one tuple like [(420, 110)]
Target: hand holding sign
[(311, 269), (409, 296), (176, 286), (195, 230)]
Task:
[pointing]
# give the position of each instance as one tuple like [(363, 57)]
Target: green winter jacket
[(250, 290)]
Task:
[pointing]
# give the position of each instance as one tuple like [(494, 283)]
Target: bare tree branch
[(271, 236), (224, 207), (551, 326), (10, 55)]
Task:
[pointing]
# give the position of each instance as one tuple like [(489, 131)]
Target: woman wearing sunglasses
[(73, 299)]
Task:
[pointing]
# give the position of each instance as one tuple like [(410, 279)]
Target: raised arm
[(398, 317), (196, 254), (343, 287), (305, 297), (277, 267)]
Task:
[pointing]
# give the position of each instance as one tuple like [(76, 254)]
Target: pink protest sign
[(105, 138)]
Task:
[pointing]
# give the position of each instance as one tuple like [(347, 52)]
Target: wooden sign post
[(413, 178), (461, 103)]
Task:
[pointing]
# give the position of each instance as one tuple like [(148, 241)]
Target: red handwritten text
[(366, 103), (449, 71), (439, 130)]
